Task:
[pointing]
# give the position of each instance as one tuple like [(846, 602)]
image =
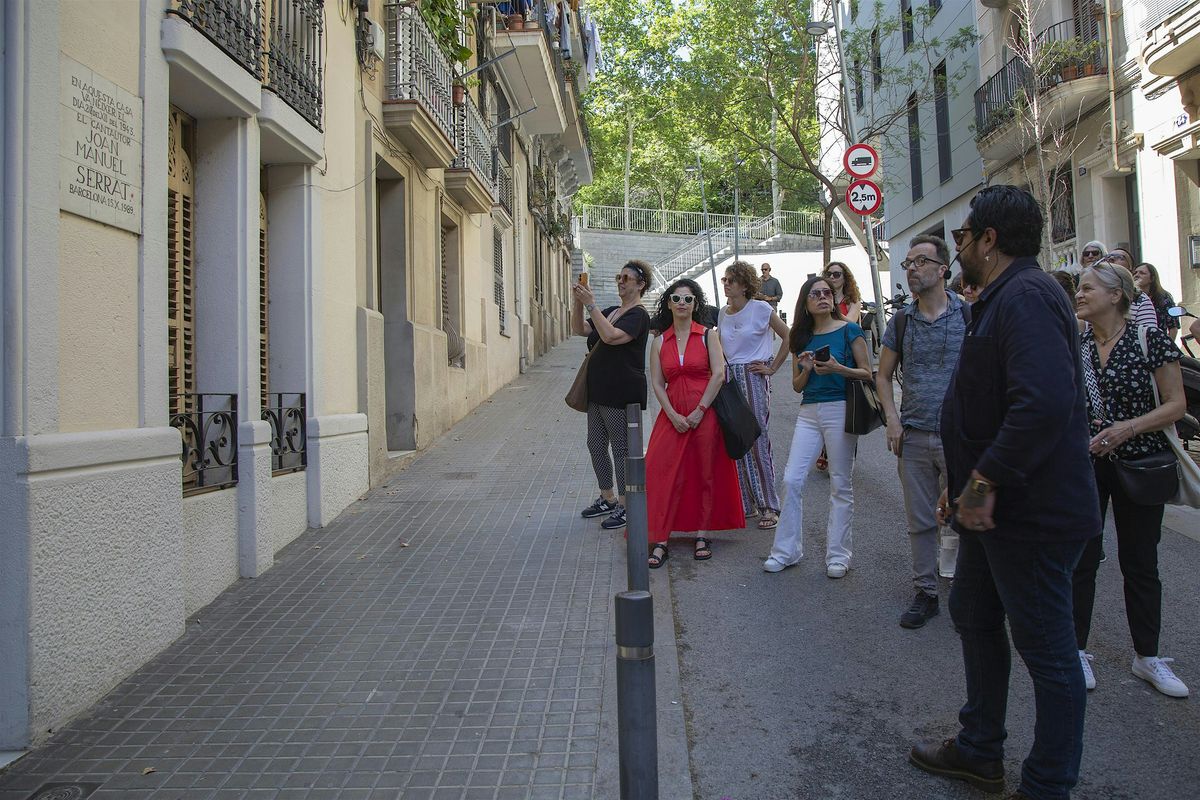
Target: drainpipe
[(1112, 89)]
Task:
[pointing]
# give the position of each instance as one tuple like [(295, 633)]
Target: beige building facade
[(256, 253)]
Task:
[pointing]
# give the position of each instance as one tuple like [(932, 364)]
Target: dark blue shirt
[(1015, 410)]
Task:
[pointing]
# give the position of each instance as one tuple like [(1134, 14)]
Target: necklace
[(1120, 330)]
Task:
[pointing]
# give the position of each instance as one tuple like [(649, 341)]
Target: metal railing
[(288, 417), (235, 26), (996, 101), (656, 220), (416, 68), (474, 141), (209, 430), (295, 55), (503, 182)]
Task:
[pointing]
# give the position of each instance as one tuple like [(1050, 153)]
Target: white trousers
[(818, 424)]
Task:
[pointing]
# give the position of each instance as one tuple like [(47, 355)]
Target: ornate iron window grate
[(235, 26), (287, 415), (474, 143), (210, 441), (295, 57), (504, 183)]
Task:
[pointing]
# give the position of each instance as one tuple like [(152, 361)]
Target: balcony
[(208, 427), (294, 55), (1172, 45), (503, 208), (419, 110), (534, 73), (235, 26), (469, 178), (287, 416), (1065, 88)]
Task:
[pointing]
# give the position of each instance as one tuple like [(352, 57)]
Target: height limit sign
[(863, 197)]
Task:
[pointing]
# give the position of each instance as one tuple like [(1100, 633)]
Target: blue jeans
[(1030, 583)]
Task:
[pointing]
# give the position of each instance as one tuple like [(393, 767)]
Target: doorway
[(399, 374)]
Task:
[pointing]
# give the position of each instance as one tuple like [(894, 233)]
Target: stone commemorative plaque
[(100, 149)]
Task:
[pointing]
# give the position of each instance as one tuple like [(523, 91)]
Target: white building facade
[(255, 253)]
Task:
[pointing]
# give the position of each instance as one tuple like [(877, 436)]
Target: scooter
[(1188, 428)]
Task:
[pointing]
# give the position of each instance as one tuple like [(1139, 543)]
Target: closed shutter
[(445, 278), (263, 302), (181, 279), (498, 274)]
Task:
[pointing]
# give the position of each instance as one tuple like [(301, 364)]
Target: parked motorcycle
[(1189, 427)]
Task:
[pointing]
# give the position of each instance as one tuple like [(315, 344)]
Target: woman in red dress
[(691, 482)]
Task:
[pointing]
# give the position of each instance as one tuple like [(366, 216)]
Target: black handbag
[(864, 412), (739, 426), (1149, 480)]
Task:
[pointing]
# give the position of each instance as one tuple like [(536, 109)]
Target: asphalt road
[(800, 687)]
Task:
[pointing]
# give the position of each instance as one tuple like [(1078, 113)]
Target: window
[(181, 278), (914, 147), (450, 257), (498, 276), (264, 298), (941, 106), (906, 22), (854, 10), (934, 7), (876, 60), (1062, 205), (858, 85)]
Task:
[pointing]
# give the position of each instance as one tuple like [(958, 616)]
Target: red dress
[(691, 482)]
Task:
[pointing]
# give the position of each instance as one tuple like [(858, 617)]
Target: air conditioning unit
[(378, 41)]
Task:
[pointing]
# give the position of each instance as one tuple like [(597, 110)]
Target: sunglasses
[(626, 279), (834, 274), (821, 293), (1095, 253), (958, 234), (686, 299)]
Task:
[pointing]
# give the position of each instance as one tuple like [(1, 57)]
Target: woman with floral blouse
[(1125, 422)]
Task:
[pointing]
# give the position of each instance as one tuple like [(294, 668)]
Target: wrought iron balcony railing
[(295, 58), (996, 101), (287, 415), (503, 183), (235, 26), (416, 68), (474, 141), (208, 428)]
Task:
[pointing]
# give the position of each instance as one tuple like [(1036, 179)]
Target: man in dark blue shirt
[(1014, 430)]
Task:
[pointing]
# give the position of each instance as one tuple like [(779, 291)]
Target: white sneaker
[(773, 564), (836, 570), (1156, 672), (1089, 678)]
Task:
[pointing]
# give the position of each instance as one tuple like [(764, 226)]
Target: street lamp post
[(737, 208), (817, 29), (699, 168)]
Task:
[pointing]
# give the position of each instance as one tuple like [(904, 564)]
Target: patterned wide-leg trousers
[(756, 472)]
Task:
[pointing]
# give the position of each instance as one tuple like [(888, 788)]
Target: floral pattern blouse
[(1125, 384)]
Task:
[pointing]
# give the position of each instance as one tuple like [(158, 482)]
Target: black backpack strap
[(901, 324)]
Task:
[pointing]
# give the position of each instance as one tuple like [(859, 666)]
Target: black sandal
[(657, 561), (703, 549)]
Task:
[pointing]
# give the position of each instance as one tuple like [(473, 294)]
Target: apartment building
[(255, 253), (1118, 83)]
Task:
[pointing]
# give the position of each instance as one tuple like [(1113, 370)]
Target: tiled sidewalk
[(447, 637)]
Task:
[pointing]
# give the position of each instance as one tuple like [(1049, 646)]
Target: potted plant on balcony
[(448, 26)]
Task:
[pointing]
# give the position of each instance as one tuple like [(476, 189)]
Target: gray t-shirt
[(930, 356), (771, 288)]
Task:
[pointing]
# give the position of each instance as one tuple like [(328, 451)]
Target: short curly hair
[(744, 274)]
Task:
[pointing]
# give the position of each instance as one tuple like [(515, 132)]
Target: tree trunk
[(827, 236), (776, 196)]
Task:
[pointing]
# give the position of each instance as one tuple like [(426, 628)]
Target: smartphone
[(583, 279), (822, 354)]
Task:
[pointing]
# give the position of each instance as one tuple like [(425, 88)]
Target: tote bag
[(739, 427), (864, 412)]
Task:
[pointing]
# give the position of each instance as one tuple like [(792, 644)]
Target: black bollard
[(637, 724), (637, 541)]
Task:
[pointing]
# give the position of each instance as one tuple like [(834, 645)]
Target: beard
[(972, 268)]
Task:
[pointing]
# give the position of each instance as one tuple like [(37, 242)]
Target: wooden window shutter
[(498, 274), (263, 303), (445, 278), (181, 279)]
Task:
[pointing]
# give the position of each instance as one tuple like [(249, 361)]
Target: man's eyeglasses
[(686, 299), (919, 262), (958, 234), (818, 293)]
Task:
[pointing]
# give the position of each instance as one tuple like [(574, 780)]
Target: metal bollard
[(637, 723), (637, 520)]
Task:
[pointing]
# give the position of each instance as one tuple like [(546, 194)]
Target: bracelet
[(589, 307)]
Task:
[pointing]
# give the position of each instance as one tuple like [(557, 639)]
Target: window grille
[(498, 276), (264, 299)]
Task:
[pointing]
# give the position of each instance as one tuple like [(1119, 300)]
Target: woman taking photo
[(616, 376), (1126, 423), (824, 345), (691, 482), (1145, 276), (746, 328)]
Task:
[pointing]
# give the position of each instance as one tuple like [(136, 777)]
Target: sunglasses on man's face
[(686, 299), (959, 233)]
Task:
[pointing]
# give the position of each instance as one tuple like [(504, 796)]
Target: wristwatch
[(589, 307), (980, 487)]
